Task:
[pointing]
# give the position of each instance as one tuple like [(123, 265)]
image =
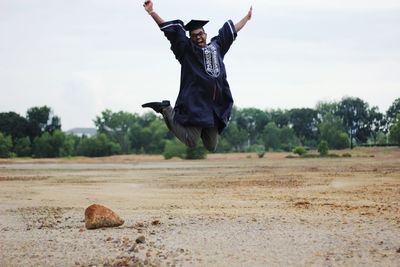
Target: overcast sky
[(81, 57)]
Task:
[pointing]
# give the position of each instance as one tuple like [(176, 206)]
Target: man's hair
[(190, 32)]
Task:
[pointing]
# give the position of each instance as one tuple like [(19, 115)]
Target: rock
[(98, 216), (140, 240), (133, 248), (156, 222)]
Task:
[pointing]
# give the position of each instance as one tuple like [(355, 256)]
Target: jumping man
[(204, 102)]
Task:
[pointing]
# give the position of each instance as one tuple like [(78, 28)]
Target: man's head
[(196, 31)]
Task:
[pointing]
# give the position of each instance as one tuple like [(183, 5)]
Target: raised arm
[(148, 6), (243, 21)]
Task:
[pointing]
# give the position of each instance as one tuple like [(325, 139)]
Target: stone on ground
[(98, 216)]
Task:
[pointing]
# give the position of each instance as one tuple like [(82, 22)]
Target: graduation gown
[(204, 94)]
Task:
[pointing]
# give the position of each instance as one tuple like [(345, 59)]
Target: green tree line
[(346, 123)]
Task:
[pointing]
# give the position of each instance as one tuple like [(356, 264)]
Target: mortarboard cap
[(195, 24)]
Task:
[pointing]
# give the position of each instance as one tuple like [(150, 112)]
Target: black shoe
[(157, 106)]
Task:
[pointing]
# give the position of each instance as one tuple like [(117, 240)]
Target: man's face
[(199, 37)]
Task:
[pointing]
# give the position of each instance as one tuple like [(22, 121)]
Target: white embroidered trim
[(211, 63), (233, 32)]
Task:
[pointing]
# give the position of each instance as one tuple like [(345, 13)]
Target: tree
[(23, 147), (392, 111), (70, 145), (271, 134), (98, 146), (287, 138), (42, 147), (53, 125), (236, 137), (280, 117), (331, 129), (324, 108), (47, 145), (5, 145), (377, 123), (304, 122), (149, 139), (394, 135), (354, 113), (117, 125), (253, 121), (40, 120), (13, 124)]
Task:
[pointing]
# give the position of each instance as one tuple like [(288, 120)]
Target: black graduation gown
[(204, 93)]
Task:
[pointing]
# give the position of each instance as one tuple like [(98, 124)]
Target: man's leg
[(210, 138), (189, 135)]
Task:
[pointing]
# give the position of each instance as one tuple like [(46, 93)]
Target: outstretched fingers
[(250, 13), (148, 5)]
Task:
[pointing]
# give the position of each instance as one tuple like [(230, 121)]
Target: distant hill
[(83, 131)]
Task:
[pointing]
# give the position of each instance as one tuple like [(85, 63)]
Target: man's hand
[(250, 13), (148, 6), (243, 21)]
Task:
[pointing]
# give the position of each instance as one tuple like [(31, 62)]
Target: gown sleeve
[(175, 32), (226, 35)]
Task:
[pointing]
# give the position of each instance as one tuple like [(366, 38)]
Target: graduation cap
[(195, 24)]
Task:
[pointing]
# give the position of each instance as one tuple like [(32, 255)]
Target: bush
[(346, 155), (332, 155), (174, 148), (23, 147), (342, 141), (299, 150), (42, 147), (394, 135), (98, 146), (381, 139), (68, 146), (323, 148), (258, 149), (49, 145), (5, 145), (197, 152), (310, 156)]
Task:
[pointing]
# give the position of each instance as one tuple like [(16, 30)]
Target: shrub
[(333, 155), (346, 155), (394, 135), (98, 146), (259, 149), (299, 150), (197, 152), (174, 148), (381, 139), (342, 141), (323, 148), (310, 156), (49, 145), (23, 147), (5, 145)]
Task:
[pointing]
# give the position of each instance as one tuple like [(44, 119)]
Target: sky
[(80, 57)]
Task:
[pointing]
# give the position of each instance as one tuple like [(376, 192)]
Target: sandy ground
[(228, 210)]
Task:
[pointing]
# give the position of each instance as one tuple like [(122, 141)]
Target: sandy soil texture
[(228, 210)]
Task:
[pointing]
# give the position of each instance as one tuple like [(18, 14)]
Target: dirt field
[(228, 210)]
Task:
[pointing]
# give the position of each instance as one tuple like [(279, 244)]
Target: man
[(204, 102)]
